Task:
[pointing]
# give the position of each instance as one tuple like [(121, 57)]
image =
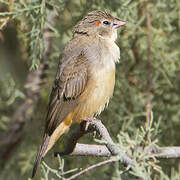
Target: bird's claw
[(90, 119)]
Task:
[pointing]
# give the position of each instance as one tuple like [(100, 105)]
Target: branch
[(167, 152), (102, 151), (94, 125), (12, 137), (92, 167), (109, 149), (90, 150)]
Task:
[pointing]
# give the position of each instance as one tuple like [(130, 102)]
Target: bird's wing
[(70, 82)]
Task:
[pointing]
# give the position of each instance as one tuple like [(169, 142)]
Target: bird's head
[(99, 23)]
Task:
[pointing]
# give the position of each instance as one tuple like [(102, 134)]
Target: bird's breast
[(97, 93), (100, 85), (104, 81)]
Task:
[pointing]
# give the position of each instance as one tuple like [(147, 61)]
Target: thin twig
[(148, 68), (92, 167), (135, 48)]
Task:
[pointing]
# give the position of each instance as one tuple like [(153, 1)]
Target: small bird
[(85, 77)]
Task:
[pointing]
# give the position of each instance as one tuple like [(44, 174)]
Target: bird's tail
[(40, 154), (49, 141)]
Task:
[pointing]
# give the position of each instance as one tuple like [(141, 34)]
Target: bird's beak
[(117, 23)]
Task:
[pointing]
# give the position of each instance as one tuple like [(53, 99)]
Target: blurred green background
[(24, 93)]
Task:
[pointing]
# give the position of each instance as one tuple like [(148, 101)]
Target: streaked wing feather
[(70, 83)]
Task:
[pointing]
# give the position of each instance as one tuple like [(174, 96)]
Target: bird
[(85, 77)]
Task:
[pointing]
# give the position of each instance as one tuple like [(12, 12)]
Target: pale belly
[(96, 95)]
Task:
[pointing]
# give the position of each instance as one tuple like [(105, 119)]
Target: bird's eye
[(106, 22)]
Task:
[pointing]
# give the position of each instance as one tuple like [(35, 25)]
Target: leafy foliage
[(8, 100)]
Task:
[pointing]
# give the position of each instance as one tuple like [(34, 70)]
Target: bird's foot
[(90, 119), (87, 121)]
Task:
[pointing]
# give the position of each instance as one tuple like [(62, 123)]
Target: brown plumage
[(85, 77)]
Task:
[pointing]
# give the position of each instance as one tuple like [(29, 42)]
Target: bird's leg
[(72, 139), (75, 135)]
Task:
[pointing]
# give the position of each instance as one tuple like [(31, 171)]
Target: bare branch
[(91, 150), (102, 151)]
